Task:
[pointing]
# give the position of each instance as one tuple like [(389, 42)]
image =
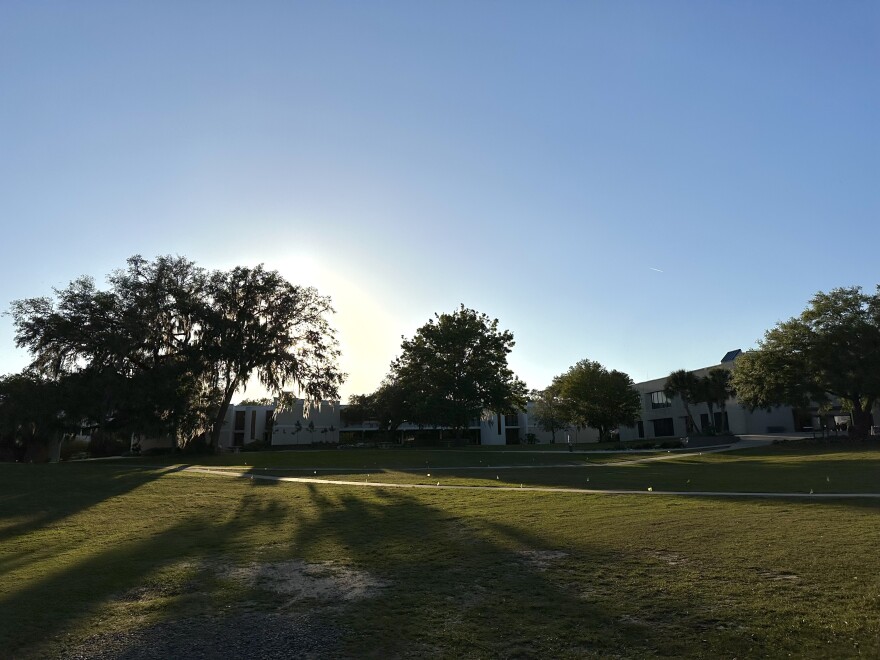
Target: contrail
[(657, 269)]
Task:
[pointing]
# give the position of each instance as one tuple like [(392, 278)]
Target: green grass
[(96, 547), (777, 468), (368, 459)]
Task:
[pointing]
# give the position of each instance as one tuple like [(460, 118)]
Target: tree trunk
[(861, 426), (221, 415), (55, 444), (687, 410)]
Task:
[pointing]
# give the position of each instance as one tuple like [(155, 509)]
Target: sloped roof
[(730, 356)]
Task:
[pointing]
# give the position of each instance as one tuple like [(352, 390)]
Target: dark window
[(511, 420), (721, 422), (239, 420), (641, 426), (659, 400), (238, 439), (253, 424), (704, 421), (663, 427), (499, 424)]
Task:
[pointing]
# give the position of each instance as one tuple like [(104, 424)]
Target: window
[(511, 420), (659, 400), (663, 427), (641, 427), (253, 424), (239, 420)]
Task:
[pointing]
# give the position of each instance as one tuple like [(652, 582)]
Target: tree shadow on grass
[(39, 495), (464, 584), (43, 608)]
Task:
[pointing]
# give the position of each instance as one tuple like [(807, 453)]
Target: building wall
[(305, 423), (740, 420), (244, 425)]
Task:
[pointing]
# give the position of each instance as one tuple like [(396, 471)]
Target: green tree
[(716, 390), (688, 386), (31, 417), (360, 409), (390, 406), (260, 324), (175, 342), (131, 348), (598, 398), (259, 401), (455, 368), (831, 350), (550, 411)]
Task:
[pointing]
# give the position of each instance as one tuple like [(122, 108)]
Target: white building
[(246, 424), (662, 417), (301, 422)]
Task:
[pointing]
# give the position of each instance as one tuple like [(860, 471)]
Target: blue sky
[(535, 161)]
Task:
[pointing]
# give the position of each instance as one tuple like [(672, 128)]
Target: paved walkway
[(658, 455), (744, 444)]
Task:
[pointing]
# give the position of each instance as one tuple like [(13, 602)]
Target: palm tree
[(717, 390), (686, 385)]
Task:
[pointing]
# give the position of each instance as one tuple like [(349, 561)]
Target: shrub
[(256, 445), (157, 451), (72, 449), (102, 444)]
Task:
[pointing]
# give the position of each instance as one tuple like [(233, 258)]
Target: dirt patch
[(541, 559), (631, 620), (668, 558), (245, 635), (152, 591), (325, 581), (779, 576)]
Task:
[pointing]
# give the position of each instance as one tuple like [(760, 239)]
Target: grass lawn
[(94, 554), (777, 468), (368, 459)]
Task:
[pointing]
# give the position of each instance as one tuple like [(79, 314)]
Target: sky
[(648, 185)]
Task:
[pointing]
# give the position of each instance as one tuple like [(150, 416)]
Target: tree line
[(713, 389), (162, 350), (828, 354)]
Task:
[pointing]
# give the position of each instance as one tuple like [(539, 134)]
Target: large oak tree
[(831, 350), (598, 398), (455, 368), (172, 342)]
